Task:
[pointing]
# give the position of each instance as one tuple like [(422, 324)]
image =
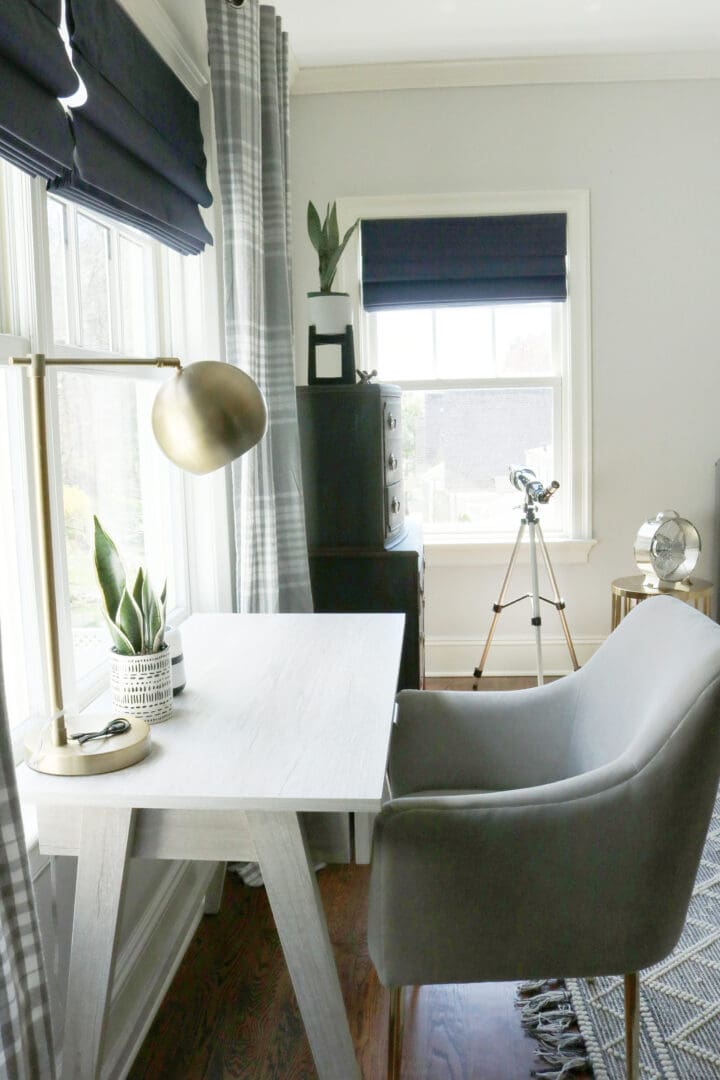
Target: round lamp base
[(95, 756)]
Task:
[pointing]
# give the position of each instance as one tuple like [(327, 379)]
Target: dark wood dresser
[(364, 554)]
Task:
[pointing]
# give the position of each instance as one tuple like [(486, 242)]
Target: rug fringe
[(566, 1040), (536, 986), (542, 1002), (568, 1067), (547, 1014)]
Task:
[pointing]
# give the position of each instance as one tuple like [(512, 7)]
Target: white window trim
[(461, 548), (87, 688)]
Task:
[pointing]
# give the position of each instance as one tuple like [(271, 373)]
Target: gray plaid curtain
[(26, 1051), (249, 71)]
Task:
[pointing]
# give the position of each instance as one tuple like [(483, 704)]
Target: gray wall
[(649, 154)]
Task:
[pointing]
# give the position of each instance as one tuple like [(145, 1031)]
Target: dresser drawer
[(391, 418), (394, 507), (393, 460), (351, 447)]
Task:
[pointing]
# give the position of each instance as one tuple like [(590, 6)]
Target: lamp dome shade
[(207, 415)]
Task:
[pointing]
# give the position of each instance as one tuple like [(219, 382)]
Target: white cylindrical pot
[(141, 686), (329, 313)]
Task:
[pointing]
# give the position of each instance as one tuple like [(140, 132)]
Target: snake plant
[(135, 614), (325, 238)]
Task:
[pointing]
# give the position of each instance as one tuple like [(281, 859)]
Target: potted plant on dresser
[(140, 669), (329, 312)]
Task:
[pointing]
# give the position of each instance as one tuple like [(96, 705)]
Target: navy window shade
[(138, 144), (411, 262), (34, 71)]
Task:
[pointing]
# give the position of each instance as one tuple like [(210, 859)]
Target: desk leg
[(102, 860), (297, 908)]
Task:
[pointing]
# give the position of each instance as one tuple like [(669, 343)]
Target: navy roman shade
[(138, 145), (410, 262), (34, 71)]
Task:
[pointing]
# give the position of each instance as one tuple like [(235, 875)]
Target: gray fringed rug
[(679, 998)]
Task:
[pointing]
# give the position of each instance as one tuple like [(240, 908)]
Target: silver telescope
[(525, 480)]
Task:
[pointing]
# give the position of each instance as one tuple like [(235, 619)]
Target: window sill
[(463, 551)]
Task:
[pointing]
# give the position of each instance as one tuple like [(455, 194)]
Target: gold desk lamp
[(203, 417)]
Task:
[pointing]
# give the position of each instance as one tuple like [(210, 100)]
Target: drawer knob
[(395, 505), (392, 462), (392, 421)]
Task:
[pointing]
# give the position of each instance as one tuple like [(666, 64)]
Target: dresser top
[(376, 389)]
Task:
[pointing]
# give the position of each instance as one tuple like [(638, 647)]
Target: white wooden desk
[(282, 713)]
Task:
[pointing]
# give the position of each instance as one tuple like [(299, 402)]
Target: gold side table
[(627, 592)]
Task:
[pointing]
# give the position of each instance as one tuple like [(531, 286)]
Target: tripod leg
[(557, 599), (497, 607), (535, 619)]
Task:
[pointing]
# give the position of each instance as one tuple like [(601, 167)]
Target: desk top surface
[(283, 712)]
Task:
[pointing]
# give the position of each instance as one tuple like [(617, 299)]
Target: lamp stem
[(36, 373)]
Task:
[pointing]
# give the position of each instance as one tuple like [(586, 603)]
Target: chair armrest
[(482, 741), (517, 885)]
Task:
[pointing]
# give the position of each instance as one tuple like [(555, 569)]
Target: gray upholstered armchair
[(552, 831)]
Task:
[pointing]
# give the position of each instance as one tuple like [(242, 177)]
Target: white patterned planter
[(141, 686)]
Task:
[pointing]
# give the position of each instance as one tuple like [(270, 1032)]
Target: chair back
[(643, 683)]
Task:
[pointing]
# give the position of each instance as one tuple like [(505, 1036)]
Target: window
[(105, 300), (482, 388), (486, 385), (74, 284)]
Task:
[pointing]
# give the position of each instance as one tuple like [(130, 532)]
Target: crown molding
[(163, 35), (635, 67)]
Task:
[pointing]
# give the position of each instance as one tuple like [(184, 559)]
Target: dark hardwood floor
[(231, 1012)]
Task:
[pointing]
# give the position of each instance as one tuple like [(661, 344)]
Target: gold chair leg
[(632, 1025), (395, 1033)]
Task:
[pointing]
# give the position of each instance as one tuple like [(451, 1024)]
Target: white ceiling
[(338, 32)]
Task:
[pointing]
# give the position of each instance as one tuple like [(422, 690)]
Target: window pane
[(405, 344), (458, 445), (480, 341), (110, 467), (15, 248), (93, 253), (187, 325), (57, 226), (464, 342), (523, 339), (133, 292)]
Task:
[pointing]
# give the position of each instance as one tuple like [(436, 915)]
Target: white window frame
[(457, 547), (84, 690), (206, 555)]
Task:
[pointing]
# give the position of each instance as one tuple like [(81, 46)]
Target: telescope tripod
[(529, 521)]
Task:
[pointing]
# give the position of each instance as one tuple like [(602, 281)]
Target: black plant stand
[(347, 367)]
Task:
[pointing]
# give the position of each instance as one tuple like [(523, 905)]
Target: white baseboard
[(445, 656), (148, 962)]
